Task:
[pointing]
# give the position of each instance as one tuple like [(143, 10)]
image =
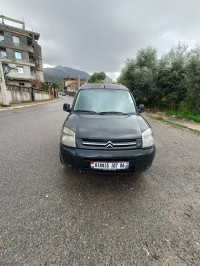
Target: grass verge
[(185, 114), (174, 124), (182, 112)]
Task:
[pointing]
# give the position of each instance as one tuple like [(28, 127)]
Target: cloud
[(95, 35)]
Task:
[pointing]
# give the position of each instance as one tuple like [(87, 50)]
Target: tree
[(147, 58), (172, 83), (46, 87), (55, 86), (6, 71), (193, 83), (97, 77), (174, 78), (171, 75), (140, 75), (178, 53), (127, 74)]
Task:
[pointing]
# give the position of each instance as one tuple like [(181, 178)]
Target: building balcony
[(6, 60), (23, 63), (30, 49)]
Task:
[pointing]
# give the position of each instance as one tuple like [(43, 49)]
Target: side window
[(18, 55)]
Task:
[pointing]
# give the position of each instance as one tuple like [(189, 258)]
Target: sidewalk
[(182, 122), (28, 104)]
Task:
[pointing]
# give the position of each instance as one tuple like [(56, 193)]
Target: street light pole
[(3, 86)]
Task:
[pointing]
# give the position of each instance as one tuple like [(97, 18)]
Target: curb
[(28, 105)]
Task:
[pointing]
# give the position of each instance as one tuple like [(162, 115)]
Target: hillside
[(57, 74)]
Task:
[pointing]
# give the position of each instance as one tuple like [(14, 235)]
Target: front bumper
[(79, 159)]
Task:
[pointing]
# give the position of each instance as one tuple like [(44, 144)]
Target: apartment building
[(20, 54)]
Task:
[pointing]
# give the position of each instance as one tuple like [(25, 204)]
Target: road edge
[(29, 105)]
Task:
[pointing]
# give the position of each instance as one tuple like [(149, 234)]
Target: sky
[(95, 36)]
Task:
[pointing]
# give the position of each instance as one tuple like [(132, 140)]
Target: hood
[(106, 126)]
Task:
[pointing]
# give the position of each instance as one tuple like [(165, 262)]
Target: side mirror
[(66, 107), (141, 108)]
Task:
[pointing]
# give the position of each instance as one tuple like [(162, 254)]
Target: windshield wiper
[(101, 113), (86, 111), (113, 112)]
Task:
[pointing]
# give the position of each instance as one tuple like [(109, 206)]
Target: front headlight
[(68, 137), (147, 138)]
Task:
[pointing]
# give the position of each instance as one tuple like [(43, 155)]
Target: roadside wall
[(18, 94), (40, 96)]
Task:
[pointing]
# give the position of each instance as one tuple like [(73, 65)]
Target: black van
[(105, 131)]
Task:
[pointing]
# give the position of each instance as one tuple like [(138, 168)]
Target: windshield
[(104, 101)]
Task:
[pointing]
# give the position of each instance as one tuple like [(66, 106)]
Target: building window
[(6, 69), (16, 40), (18, 55), (1, 36), (3, 54), (20, 70), (21, 83)]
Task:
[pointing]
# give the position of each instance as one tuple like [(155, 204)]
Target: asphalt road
[(49, 216)]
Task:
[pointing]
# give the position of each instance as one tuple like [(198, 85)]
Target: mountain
[(57, 74)]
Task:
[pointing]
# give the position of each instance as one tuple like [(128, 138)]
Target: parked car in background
[(105, 131), (61, 93)]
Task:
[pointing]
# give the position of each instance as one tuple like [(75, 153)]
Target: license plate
[(111, 166)]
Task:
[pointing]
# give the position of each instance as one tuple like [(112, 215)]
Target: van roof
[(103, 86)]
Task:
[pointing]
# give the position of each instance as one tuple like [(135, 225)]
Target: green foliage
[(140, 75), (127, 74), (193, 83), (55, 86), (44, 86), (184, 112), (175, 70), (147, 58), (97, 77), (172, 79)]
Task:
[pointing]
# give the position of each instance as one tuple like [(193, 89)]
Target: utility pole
[(3, 86), (78, 82)]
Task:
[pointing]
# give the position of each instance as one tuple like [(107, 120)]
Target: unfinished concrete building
[(20, 54)]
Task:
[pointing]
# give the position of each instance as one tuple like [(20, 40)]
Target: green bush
[(164, 83)]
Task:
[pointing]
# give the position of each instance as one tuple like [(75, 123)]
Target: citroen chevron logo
[(109, 144)]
